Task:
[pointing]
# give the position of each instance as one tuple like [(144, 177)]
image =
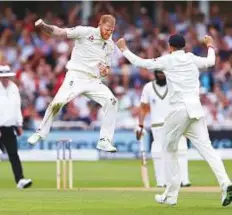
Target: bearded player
[(90, 60)]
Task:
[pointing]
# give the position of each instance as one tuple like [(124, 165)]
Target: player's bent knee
[(56, 107), (171, 146)]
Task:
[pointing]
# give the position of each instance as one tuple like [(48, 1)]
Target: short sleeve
[(77, 32), (145, 95)]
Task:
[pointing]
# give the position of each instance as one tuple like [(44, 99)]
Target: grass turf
[(113, 173), (35, 202), (104, 173)]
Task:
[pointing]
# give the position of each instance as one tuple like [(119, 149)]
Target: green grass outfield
[(44, 199)]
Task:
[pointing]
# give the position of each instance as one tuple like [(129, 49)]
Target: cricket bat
[(144, 170)]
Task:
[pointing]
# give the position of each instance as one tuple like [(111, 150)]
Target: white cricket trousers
[(179, 123), (76, 83), (159, 162)]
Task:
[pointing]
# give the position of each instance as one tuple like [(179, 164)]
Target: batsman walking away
[(90, 61), (186, 115)]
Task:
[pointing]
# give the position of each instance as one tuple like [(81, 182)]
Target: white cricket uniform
[(186, 113), (10, 106), (83, 78), (157, 98)]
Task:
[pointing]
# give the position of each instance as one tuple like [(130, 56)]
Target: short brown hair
[(107, 18)]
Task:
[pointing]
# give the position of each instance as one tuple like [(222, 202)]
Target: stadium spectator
[(39, 60)]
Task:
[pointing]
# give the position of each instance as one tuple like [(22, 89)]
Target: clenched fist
[(208, 41), (121, 43), (103, 69), (39, 23), (139, 131)]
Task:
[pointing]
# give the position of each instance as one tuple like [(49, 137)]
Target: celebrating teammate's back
[(186, 116)]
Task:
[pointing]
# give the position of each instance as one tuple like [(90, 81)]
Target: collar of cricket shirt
[(178, 52), (98, 32), (157, 92)]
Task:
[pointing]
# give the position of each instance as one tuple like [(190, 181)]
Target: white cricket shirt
[(89, 50), (157, 98), (10, 105), (182, 73)]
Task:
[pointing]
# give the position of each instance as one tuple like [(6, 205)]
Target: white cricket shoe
[(227, 195), (24, 183), (165, 200), (105, 145), (34, 138)]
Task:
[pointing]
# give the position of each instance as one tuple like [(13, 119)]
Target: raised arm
[(51, 29), (137, 61), (70, 33), (205, 62)]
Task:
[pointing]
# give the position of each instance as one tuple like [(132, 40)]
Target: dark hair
[(177, 41)]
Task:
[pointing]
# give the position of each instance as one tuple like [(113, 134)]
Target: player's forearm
[(135, 60), (142, 114), (211, 57), (53, 30), (138, 61), (141, 119)]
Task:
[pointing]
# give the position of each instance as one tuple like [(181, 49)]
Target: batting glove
[(140, 131)]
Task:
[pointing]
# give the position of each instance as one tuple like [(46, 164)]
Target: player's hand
[(103, 69), (208, 41), (39, 23), (121, 43), (140, 131), (19, 130)]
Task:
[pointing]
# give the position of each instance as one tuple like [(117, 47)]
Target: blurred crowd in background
[(39, 60)]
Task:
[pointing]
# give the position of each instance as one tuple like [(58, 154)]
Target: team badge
[(91, 38)]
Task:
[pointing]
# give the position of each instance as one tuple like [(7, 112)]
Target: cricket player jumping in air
[(90, 60), (186, 115), (155, 98)]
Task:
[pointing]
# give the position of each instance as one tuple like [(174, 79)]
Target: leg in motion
[(199, 137), (171, 133), (183, 162), (158, 158), (10, 142), (102, 95), (65, 94), (52, 110)]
